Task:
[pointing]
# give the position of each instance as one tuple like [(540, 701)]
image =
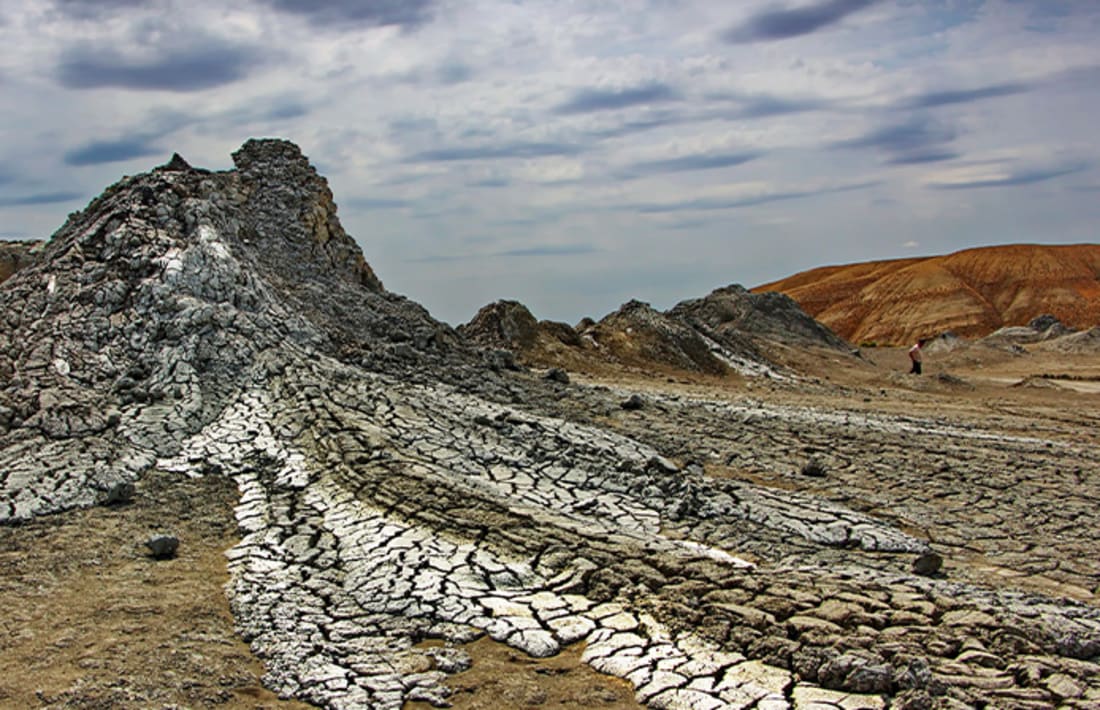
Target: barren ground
[(87, 620)]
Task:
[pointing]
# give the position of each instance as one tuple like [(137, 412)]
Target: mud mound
[(641, 336), (728, 330), (504, 324), (508, 325), (735, 316), (972, 292), (16, 255), (1085, 343), (1039, 329)]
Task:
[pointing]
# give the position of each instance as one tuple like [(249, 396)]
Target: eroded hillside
[(970, 293)]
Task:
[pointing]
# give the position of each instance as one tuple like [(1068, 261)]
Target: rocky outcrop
[(972, 292), (395, 488)]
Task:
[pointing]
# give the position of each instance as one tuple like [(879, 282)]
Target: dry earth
[(88, 620)]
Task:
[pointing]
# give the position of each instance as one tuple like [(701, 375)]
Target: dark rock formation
[(732, 315)]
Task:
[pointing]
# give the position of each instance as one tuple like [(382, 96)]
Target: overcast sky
[(575, 154)]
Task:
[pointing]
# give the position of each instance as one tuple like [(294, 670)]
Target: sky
[(576, 154)]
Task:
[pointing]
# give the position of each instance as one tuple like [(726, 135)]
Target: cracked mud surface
[(391, 506)]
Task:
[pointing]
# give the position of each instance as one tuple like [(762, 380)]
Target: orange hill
[(971, 292)]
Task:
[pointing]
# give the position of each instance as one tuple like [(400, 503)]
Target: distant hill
[(971, 293)]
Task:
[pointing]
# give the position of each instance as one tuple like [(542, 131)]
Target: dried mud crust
[(88, 620), (1001, 481)]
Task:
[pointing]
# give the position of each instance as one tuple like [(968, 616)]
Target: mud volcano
[(395, 487)]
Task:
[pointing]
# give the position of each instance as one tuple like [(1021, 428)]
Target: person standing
[(916, 357)]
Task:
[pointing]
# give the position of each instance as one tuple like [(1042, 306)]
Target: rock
[(1064, 687), (928, 564), (916, 675), (500, 360), (119, 493), (814, 469), (870, 678), (177, 163), (632, 403), (163, 547), (556, 374), (952, 380), (913, 700)]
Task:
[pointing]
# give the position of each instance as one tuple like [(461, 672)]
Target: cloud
[(491, 182), (959, 96), (453, 73), (45, 198), (684, 163), (437, 259), (784, 24), (1012, 178), (764, 106), (204, 64), (728, 203), (590, 100), (534, 251), (494, 152), (549, 250), (652, 120), (256, 110), (98, 152), (377, 203), (930, 156), (920, 139), (408, 14), (95, 9)]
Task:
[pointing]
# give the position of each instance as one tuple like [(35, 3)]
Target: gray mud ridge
[(396, 488)]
